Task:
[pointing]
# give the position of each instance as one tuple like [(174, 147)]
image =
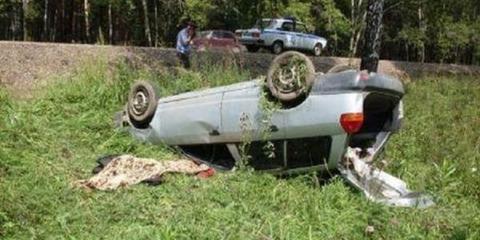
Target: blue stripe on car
[(285, 33)]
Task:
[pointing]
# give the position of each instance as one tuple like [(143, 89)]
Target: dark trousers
[(184, 59)]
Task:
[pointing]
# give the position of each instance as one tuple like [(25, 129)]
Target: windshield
[(203, 34), (264, 23)]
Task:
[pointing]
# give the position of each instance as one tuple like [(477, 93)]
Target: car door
[(302, 37), (223, 39), (288, 31), (216, 39), (228, 39), (242, 116), (189, 118)]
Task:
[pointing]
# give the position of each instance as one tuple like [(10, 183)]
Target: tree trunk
[(24, 23), (74, 23), (352, 26), (357, 18), (147, 23), (54, 33), (359, 34), (407, 50), (423, 29), (62, 22), (86, 7), (110, 23), (156, 22), (371, 47), (13, 24), (45, 22)]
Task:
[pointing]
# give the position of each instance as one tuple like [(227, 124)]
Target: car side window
[(217, 35), (228, 35), (302, 28), (287, 26)]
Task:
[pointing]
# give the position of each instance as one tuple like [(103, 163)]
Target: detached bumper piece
[(378, 185)]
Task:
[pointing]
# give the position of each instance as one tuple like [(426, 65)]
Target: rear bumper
[(251, 41)]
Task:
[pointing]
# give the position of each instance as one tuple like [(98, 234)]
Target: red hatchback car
[(217, 40)]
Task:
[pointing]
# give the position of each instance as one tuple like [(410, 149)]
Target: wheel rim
[(290, 77), (140, 102)]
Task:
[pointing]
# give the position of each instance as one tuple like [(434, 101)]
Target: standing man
[(184, 41)]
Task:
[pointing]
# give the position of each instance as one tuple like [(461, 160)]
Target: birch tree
[(358, 15), (86, 9), (156, 21), (45, 21), (147, 23), (423, 30), (371, 48), (24, 19), (110, 23)]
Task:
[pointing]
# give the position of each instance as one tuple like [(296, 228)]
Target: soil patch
[(25, 66)]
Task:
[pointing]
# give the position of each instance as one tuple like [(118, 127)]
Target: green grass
[(49, 142)]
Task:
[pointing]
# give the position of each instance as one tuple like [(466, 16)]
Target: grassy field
[(51, 141)]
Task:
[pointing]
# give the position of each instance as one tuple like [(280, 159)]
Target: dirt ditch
[(25, 66)]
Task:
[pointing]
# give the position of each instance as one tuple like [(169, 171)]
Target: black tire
[(317, 50), (277, 47), (340, 68), (290, 76), (252, 48), (142, 103)]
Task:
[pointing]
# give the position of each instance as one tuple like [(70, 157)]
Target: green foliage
[(199, 11), (300, 10), (441, 136), (53, 140), (331, 22), (268, 107), (412, 36), (453, 36), (427, 30)]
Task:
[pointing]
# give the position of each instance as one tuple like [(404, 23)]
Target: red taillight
[(255, 34), (351, 122)]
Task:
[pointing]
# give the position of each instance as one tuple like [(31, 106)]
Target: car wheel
[(340, 68), (290, 76), (317, 50), (277, 47), (252, 48), (142, 103)]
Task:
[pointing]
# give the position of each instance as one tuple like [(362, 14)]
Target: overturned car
[(295, 120)]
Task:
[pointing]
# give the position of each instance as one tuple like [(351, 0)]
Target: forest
[(443, 31)]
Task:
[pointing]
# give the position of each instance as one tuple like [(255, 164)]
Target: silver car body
[(214, 115), (294, 37), (309, 136)]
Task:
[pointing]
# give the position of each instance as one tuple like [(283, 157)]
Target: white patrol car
[(278, 34)]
